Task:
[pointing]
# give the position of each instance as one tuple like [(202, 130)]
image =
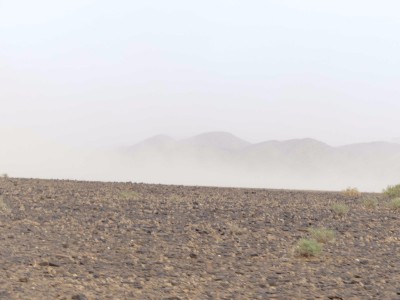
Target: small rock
[(79, 297), (49, 264), (5, 295), (137, 285), (272, 281)]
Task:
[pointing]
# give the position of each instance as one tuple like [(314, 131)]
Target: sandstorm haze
[(280, 94)]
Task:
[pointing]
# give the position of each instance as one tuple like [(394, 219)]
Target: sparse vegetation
[(352, 192), (3, 206), (395, 204), (322, 235), (370, 202), (392, 191), (308, 248), (235, 228), (176, 198), (175, 228), (4, 175), (129, 195), (340, 209)]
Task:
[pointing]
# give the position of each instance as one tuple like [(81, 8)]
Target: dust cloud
[(297, 164)]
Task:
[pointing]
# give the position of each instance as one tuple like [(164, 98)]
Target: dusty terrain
[(90, 240)]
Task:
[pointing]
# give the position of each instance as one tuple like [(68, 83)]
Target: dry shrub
[(322, 235), (129, 195), (4, 208), (370, 203), (340, 209), (352, 192)]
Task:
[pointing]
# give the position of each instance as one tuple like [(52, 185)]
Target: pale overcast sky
[(108, 73)]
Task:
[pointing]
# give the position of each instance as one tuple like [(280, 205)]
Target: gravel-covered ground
[(91, 240)]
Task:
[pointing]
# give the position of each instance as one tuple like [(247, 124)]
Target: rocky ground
[(91, 240)]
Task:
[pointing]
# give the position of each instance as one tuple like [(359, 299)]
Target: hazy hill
[(373, 148), (219, 158), (217, 140), (291, 149), (158, 142), (216, 159)]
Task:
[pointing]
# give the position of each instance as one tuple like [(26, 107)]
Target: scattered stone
[(49, 264), (79, 297), (89, 239)]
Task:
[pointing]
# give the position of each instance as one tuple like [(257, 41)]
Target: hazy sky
[(105, 73)]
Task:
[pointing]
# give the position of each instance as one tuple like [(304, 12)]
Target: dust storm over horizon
[(80, 79)]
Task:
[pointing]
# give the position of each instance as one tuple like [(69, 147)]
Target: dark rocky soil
[(90, 240)]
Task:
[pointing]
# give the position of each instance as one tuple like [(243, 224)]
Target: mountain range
[(221, 158), (214, 159)]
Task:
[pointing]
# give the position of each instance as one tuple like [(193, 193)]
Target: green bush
[(370, 202), (322, 235), (340, 209), (395, 204), (308, 248), (392, 191)]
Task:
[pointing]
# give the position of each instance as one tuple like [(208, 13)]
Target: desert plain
[(64, 239)]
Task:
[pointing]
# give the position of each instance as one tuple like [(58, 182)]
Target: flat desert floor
[(92, 240)]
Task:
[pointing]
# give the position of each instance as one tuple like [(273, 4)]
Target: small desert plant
[(176, 198), (235, 229), (322, 235), (308, 248), (340, 209), (370, 202), (395, 204), (3, 206), (4, 175), (129, 195), (392, 191), (352, 192)]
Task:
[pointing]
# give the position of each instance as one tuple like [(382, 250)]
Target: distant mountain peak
[(217, 139), (306, 141), (216, 134), (294, 143)]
